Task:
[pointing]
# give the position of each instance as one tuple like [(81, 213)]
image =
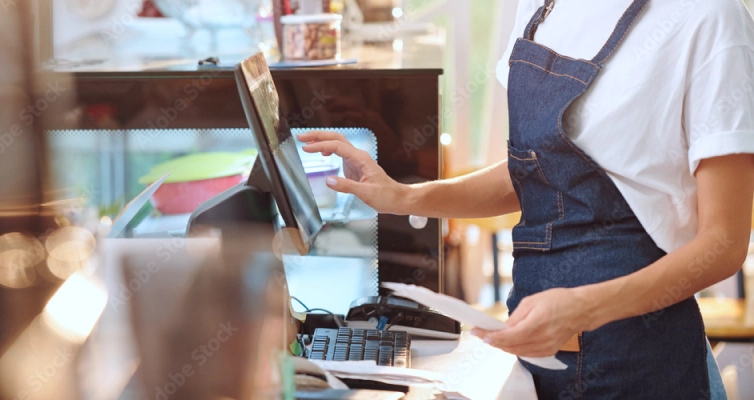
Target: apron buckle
[(548, 10)]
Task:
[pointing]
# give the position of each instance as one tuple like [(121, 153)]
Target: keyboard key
[(401, 362), (383, 347)]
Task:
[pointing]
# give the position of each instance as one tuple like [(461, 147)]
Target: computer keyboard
[(387, 348)]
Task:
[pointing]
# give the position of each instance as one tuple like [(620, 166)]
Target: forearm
[(708, 259), (717, 252), (485, 193)]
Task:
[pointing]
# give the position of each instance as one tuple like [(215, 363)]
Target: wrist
[(596, 309), (404, 198)]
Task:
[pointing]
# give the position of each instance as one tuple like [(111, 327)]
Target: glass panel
[(109, 168), (345, 251), (105, 167)]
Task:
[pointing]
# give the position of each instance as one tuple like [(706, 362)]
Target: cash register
[(279, 174)]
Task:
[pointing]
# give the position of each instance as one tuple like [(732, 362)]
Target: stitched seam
[(539, 170), (561, 208), (553, 52), (579, 367), (521, 159), (547, 241), (529, 248), (548, 71), (562, 132), (704, 343), (518, 184), (534, 23), (610, 53)]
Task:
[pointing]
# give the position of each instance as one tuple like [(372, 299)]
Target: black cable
[(300, 302), (334, 317), (303, 347), (395, 320)]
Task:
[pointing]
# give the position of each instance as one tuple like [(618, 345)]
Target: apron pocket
[(541, 204)]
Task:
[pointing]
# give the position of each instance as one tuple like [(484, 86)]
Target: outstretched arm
[(485, 193)]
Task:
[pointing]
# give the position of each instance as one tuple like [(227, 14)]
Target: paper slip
[(369, 370), (464, 313), (305, 366)]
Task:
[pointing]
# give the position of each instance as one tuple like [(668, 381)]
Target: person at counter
[(630, 158)]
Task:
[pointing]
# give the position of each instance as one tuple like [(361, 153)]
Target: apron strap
[(537, 19), (624, 25)]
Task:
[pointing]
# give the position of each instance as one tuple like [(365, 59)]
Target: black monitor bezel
[(303, 240)]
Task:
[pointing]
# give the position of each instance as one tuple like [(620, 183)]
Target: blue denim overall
[(577, 229)]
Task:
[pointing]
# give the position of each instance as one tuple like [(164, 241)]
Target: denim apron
[(577, 229)]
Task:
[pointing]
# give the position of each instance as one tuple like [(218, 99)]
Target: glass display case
[(126, 124)]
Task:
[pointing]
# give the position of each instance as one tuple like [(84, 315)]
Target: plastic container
[(317, 173), (197, 178), (311, 37)]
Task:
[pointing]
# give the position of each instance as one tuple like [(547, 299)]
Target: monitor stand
[(246, 204)]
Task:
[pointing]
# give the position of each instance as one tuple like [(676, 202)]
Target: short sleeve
[(719, 106), (526, 8)]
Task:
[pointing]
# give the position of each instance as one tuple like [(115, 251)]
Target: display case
[(126, 123)]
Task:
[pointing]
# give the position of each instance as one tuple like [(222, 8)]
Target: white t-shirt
[(679, 89)]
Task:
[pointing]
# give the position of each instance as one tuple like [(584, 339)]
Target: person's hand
[(541, 324), (364, 177)]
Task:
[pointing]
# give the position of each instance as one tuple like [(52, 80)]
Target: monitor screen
[(278, 152)]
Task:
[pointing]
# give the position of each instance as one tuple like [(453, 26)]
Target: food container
[(197, 178), (317, 173), (311, 37)]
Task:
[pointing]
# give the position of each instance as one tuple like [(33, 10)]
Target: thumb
[(518, 315)]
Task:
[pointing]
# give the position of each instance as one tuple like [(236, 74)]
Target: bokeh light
[(69, 249), (75, 308), (19, 254)]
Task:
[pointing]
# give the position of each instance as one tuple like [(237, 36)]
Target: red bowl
[(185, 197)]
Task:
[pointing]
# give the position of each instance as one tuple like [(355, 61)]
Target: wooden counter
[(730, 320)]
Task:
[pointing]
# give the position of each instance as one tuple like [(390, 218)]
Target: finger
[(532, 350), (479, 332), (321, 136), (516, 336), (344, 185), (344, 150)]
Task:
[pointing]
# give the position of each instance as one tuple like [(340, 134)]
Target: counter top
[(157, 47), (728, 319)]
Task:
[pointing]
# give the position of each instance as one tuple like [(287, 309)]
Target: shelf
[(348, 209)]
